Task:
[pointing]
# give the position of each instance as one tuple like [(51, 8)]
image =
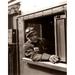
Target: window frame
[(22, 18)]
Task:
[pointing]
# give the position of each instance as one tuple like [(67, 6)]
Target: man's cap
[(29, 30)]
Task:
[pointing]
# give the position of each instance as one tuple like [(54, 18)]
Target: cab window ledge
[(57, 66)]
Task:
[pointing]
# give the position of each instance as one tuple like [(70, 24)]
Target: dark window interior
[(10, 21), (47, 27)]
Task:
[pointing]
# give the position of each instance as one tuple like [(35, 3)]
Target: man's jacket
[(36, 51)]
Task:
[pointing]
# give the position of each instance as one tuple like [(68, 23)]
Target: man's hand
[(54, 58)]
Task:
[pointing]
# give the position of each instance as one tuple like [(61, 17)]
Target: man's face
[(34, 37)]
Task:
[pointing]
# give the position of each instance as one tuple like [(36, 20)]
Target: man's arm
[(35, 56), (45, 57), (28, 50)]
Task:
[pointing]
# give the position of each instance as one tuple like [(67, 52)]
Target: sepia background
[(69, 46)]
